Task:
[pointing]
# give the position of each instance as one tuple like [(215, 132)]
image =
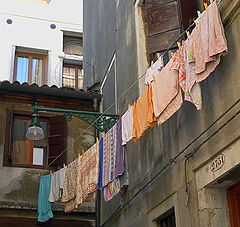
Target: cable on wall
[(172, 160)]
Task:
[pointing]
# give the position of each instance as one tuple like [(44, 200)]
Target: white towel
[(127, 126), (54, 194), (62, 176), (154, 70)]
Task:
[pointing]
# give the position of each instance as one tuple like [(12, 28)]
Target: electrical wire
[(172, 160), (69, 146)]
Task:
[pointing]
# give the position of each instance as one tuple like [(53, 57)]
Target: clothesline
[(139, 78), (103, 166), (147, 117)]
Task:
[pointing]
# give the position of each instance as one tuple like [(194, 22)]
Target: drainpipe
[(97, 203)]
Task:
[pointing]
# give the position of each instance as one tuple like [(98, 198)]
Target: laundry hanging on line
[(198, 56)]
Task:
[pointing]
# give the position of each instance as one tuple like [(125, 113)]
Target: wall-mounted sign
[(217, 163)]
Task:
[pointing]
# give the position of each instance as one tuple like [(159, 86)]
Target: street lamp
[(35, 131), (101, 121)]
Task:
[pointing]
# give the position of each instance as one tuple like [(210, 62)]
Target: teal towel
[(44, 206)]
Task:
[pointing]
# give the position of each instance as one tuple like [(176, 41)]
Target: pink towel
[(209, 42), (166, 94)]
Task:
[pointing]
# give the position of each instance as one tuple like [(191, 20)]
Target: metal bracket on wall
[(101, 121)]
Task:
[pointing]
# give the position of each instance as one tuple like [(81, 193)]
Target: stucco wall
[(156, 148), (19, 186), (30, 28)]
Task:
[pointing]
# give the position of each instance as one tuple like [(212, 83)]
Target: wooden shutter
[(164, 21), (8, 138), (57, 140)]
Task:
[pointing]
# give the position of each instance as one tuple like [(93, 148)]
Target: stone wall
[(194, 205)]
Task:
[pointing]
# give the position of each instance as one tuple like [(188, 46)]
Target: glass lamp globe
[(35, 133)]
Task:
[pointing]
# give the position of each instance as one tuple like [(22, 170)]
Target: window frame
[(8, 144), (76, 67), (10, 132), (165, 216), (30, 57)]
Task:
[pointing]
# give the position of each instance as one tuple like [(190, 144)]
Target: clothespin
[(172, 54), (199, 13), (67, 165), (78, 155), (211, 1), (82, 151), (196, 22), (205, 5), (151, 64), (188, 34), (119, 116), (64, 165), (179, 45), (147, 84), (129, 105), (50, 171), (97, 139), (41, 174), (158, 55), (136, 99), (153, 76)]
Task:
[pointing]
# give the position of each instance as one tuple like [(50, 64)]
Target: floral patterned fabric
[(70, 186), (87, 177), (179, 65), (193, 89)]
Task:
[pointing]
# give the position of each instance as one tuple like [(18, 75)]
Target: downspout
[(97, 203)]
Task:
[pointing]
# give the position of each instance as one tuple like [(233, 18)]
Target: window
[(30, 67), (72, 75), (166, 20), (22, 152), (167, 219), (26, 151), (158, 24)]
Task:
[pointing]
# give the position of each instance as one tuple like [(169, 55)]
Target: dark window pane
[(28, 151), (167, 219)]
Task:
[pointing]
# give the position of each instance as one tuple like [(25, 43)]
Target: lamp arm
[(101, 121)]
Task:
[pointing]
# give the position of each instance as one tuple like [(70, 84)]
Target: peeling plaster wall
[(19, 186)]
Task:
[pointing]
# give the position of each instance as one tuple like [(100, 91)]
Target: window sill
[(29, 166)]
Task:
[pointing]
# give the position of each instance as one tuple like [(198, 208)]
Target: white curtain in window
[(37, 71)]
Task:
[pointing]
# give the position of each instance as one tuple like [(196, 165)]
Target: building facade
[(41, 62), (183, 172)]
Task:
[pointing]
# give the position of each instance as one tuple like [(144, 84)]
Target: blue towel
[(44, 206), (100, 163)]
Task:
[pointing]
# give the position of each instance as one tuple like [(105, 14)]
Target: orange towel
[(143, 116)]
